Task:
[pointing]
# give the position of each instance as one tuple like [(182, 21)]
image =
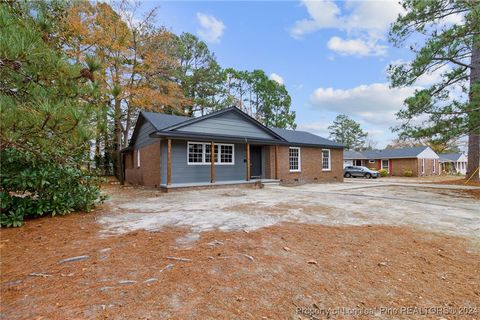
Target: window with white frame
[(226, 153), (294, 159), (199, 153), (371, 161), (208, 158), (385, 165), (138, 158), (434, 165), (326, 162), (423, 166), (195, 153)]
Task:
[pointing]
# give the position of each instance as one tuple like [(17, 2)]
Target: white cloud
[(211, 29), (373, 17), (356, 47), (365, 23), (323, 14), (374, 103), (277, 78)]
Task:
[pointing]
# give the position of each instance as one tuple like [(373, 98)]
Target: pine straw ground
[(232, 275), (472, 193)]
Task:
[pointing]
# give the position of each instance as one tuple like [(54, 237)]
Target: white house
[(453, 162)]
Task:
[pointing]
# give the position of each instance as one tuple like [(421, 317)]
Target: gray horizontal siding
[(143, 138), (227, 124), (184, 173)]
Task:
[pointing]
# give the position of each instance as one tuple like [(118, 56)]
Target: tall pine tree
[(447, 35)]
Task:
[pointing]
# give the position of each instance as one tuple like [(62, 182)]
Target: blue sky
[(331, 56)]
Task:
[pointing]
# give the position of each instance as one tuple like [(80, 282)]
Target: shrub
[(383, 172), (408, 173), (31, 186)]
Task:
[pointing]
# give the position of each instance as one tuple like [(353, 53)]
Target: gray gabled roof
[(162, 121), (348, 154), (449, 157), (306, 138), (223, 111), (165, 123), (412, 152)]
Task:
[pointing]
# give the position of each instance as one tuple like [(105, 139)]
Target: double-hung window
[(423, 166), (195, 153), (226, 153), (434, 164), (208, 158), (326, 162), (294, 159), (385, 165), (199, 153)]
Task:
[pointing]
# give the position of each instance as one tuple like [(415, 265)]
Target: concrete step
[(271, 182)]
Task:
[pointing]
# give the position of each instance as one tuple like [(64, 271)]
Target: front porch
[(188, 164), (207, 185)]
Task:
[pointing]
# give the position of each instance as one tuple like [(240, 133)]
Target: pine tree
[(449, 32), (348, 132)]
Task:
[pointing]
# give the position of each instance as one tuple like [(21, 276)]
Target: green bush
[(31, 186), (408, 173), (383, 172)]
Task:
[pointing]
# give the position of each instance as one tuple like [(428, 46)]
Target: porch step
[(271, 182)]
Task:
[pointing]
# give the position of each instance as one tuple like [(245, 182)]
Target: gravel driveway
[(431, 207)]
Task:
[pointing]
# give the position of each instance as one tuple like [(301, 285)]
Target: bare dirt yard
[(373, 248)]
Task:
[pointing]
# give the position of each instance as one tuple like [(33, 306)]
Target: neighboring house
[(453, 162), (170, 151), (421, 161)]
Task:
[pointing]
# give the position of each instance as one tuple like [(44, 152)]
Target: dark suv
[(357, 171)]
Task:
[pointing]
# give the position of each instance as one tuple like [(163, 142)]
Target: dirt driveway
[(360, 202), (333, 251)]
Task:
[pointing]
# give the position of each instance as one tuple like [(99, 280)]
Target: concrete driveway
[(442, 208)]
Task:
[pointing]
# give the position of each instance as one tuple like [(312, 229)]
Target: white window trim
[(138, 158), (329, 160), (388, 165), (204, 152), (423, 166), (371, 161), (299, 159), (434, 165)]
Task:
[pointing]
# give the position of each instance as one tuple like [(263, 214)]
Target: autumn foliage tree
[(138, 67)]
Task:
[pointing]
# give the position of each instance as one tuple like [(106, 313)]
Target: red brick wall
[(269, 162), (428, 167), (311, 166), (148, 174), (399, 166)]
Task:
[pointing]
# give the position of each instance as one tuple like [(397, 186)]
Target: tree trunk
[(117, 147), (107, 150), (473, 136), (98, 139)]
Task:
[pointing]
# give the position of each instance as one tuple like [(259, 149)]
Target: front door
[(255, 162)]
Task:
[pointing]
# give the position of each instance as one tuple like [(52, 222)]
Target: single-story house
[(169, 151), (453, 162), (421, 161)]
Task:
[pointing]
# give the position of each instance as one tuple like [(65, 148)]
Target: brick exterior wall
[(399, 166), (148, 174), (428, 167), (311, 166), (269, 162)]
